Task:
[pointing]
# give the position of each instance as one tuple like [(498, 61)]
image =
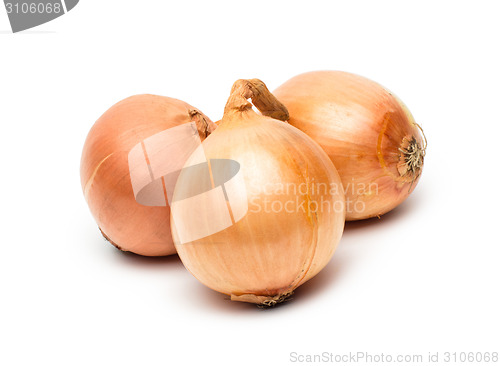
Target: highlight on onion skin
[(368, 133), (105, 174), (284, 204)]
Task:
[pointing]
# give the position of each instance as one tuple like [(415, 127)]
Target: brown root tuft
[(111, 241), (411, 159), (262, 301)]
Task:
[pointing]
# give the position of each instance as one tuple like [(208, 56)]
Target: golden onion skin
[(367, 132), (264, 256), (105, 175)]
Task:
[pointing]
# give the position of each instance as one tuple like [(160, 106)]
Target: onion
[(260, 209), (369, 134), (122, 183)]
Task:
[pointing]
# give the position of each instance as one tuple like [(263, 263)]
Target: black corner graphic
[(70, 4), (26, 14)]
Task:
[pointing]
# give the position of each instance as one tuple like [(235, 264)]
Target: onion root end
[(262, 301), (111, 241)]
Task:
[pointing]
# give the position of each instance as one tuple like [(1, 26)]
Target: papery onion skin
[(270, 252), (367, 131), (105, 176)]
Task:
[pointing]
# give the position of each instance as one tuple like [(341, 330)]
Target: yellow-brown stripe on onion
[(260, 210), (368, 133)]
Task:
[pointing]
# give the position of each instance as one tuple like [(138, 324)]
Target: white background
[(424, 278)]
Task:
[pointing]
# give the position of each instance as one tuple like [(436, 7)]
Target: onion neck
[(261, 97), (204, 125)]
